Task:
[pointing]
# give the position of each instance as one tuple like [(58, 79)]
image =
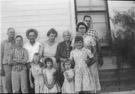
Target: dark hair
[(31, 30), (18, 37), (10, 28), (48, 59), (86, 16), (81, 23), (53, 31), (78, 38), (71, 62)]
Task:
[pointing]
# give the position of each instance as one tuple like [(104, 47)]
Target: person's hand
[(31, 85)]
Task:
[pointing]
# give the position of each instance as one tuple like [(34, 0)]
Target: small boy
[(18, 59)]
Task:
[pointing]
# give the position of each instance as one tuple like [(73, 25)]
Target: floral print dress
[(83, 77)]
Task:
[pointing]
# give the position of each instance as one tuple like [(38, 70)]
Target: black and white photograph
[(67, 46)]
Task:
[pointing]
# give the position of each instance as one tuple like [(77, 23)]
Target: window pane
[(86, 5)]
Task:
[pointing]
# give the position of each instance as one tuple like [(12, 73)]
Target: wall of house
[(39, 14)]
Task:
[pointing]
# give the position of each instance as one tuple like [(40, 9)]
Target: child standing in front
[(83, 79), (68, 85), (51, 86), (18, 59), (37, 71)]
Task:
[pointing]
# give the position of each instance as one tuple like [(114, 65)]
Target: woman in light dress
[(49, 47)]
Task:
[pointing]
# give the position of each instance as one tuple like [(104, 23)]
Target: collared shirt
[(32, 49), (6, 48), (63, 51), (19, 56)]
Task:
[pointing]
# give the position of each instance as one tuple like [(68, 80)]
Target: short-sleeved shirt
[(18, 56), (32, 49), (49, 50), (6, 48)]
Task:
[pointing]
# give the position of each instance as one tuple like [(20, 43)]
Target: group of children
[(77, 76)]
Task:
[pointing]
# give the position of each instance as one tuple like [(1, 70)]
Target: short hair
[(78, 38), (81, 23), (31, 30), (48, 59), (18, 37), (10, 28), (36, 54), (86, 16), (70, 61), (67, 31), (53, 31)]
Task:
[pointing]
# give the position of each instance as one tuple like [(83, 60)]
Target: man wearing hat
[(33, 47)]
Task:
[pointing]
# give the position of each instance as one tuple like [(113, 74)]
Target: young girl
[(51, 86), (83, 78), (37, 72), (68, 85)]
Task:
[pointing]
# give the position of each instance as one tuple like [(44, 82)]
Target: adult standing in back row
[(6, 47), (33, 47)]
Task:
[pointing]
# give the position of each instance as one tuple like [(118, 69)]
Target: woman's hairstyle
[(81, 23), (53, 31), (78, 38), (69, 61), (18, 37), (10, 28), (48, 59), (31, 30)]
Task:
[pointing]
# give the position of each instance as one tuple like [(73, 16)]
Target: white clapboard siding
[(39, 14)]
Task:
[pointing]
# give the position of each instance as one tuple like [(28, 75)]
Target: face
[(11, 33), (19, 41), (32, 36), (78, 44), (52, 37), (66, 36), (67, 65), (49, 64), (88, 20), (81, 30), (36, 59)]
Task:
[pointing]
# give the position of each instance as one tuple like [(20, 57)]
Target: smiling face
[(81, 30), (11, 33), (66, 36), (52, 37), (32, 36), (19, 41), (78, 44)]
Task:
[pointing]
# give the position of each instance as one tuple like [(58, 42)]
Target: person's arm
[(68, 78), (41, 49), (53, 82), (25, 57), (58, 55), (1, 64), (30, 79), (45, 78)]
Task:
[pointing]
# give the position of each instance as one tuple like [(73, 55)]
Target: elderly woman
[(63, 52), (49, 47)]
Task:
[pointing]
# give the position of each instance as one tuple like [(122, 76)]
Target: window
[(98, 10)]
